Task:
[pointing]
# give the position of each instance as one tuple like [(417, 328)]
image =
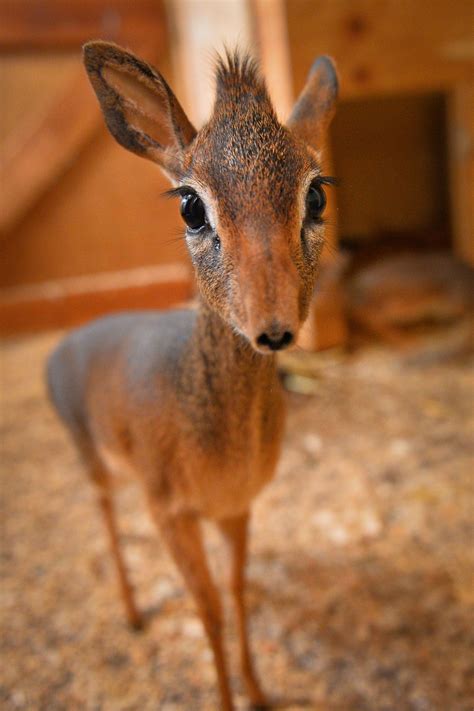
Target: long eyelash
[(328, 180), (183, 190), (180, 191)]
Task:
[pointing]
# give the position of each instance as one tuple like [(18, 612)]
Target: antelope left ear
[(315, 106), (140, 110)]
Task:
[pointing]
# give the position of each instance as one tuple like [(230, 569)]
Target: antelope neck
[(227, 350)]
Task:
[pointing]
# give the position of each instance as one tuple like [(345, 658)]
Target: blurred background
[(83, 227), (362, 580)]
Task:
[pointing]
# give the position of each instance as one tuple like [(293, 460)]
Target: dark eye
[(315, 202), (193, 212)]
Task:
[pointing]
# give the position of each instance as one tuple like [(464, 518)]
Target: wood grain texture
[(391, 158), (384, 47), (35, 154), (106, 213), (269, 17), (64, 24)]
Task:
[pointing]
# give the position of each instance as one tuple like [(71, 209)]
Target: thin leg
[(184, 538), (235, 531), (126, 589)]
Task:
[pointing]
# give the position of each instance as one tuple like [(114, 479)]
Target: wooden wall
[(402, 66), (75, 204), (106, 213), (388, 47), (103, 212)]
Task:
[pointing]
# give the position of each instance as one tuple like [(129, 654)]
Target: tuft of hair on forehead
[(238, 74)]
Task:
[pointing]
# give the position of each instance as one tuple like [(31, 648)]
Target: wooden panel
[(70, 302), (36, 154), (391, 46), (395, 48), (29, 84), (107, 213), (66, 24)]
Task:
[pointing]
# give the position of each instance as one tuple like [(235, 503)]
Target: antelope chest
[(224, 484), (231, 457)]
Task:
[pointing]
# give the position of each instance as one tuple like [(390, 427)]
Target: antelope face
[(254, 224), (252, 191)]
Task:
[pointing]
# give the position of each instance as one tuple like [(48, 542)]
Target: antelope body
[(189, 400)]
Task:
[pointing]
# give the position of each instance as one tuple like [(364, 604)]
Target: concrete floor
[(361, 587)]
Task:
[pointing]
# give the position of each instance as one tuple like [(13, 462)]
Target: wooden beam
[(199, 27), (273, 44), (58, 25), (69, 302)]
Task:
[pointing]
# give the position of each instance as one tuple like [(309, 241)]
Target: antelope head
[(252, 190)]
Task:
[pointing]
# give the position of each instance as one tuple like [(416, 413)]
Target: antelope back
[(251, 189)]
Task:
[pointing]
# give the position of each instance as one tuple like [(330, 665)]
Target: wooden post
[(461, 160), (326, 325), (199, 27)]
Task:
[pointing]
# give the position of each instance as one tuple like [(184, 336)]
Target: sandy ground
[(360, 585)]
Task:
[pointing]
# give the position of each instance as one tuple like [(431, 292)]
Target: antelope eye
[(193, 212), (315, 202)]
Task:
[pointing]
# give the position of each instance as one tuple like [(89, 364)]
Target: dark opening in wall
[(390, 155)]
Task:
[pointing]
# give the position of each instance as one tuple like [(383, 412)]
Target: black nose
[(275, 341)]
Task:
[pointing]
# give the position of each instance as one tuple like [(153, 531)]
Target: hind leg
[(106, 506)]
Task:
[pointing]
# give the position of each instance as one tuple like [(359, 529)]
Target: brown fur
[(187, 400)]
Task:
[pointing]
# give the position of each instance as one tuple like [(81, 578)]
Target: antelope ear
[(140, 110), (315, 106)]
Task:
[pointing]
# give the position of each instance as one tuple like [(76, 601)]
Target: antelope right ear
[(140, 110), (316, 104)]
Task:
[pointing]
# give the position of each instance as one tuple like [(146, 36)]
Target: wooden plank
[(105, 214), (461, 158), (73, 301), (29, 84), (57, 25), (392, 46), (42, 147)]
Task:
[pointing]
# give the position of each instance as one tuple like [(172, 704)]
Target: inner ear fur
[(140, 110), (316, 104)]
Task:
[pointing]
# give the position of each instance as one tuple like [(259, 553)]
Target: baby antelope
[(189, 400)]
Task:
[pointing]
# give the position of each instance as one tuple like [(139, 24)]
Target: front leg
[(235, 531), (183, 536)]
